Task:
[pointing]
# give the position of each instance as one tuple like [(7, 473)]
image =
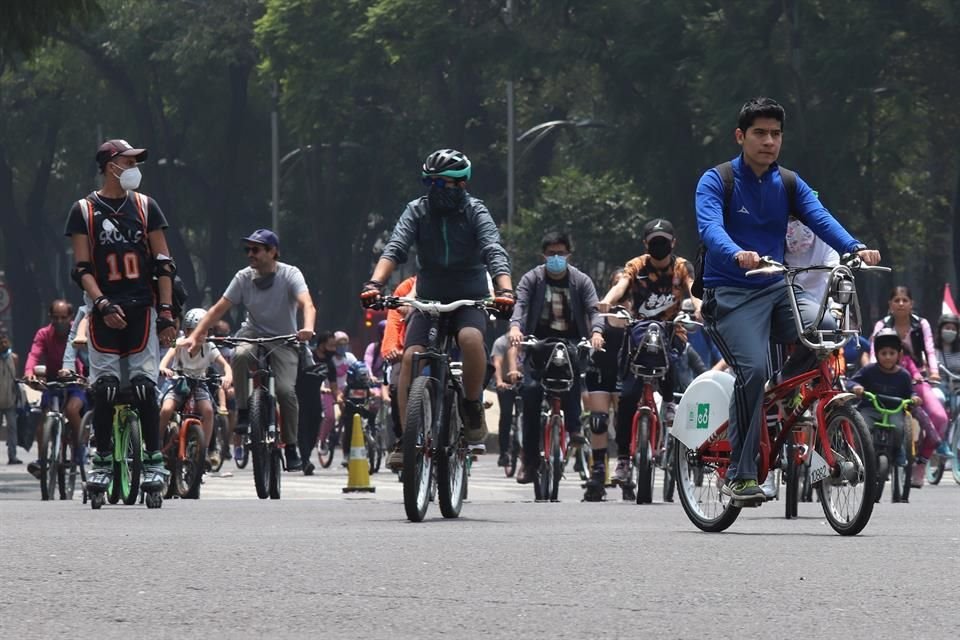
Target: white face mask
[(948, 335), (130, 178)]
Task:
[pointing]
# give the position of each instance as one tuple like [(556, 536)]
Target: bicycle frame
[(646, 406)]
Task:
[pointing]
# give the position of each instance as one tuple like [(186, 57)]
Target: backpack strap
[(86, 210), (725, 169), (143, 208), (789, 179)]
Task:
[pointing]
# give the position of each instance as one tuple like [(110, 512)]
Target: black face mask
[(264, 282), (444, 201), (659, 248)]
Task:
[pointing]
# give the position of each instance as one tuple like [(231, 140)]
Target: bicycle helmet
[(949, 318), (193, 318), (449, 163), (358, 376), (887, 339)]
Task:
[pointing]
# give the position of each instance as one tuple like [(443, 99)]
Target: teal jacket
[(454, 252)]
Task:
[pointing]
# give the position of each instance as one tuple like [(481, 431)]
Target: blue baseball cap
[(264, 237)]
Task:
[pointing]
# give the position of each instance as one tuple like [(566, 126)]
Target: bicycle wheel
[(259, 451), (644, 462), (543, 477), (669, 475), (276, 470), (846, 495), (955, 451), (556, 460), (219, 438), (171, 458), (327, 448), (191, 466), (49, 456), (791, 477), (68, 471), (129, 468), (417, 447), (700, 475), (451, 463)]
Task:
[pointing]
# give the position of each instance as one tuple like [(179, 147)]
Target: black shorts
[(418, 327), (133, 338), (603, 371)]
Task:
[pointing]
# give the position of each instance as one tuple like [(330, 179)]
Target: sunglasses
[(254, 250), (437, 182)]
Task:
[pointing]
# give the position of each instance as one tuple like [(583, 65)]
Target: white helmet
[(192, 318)]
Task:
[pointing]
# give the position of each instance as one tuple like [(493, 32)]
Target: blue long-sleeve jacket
[(454, 252), (756, 221)]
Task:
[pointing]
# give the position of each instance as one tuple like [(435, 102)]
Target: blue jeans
[(742, 322)]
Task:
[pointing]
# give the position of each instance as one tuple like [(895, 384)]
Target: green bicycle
[(889, 439), (127, 459)]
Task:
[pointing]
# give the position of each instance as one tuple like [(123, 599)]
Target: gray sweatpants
[(742, 322), (284, 362)]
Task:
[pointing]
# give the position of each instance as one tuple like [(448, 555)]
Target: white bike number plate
[(818, 468), (704, 408)]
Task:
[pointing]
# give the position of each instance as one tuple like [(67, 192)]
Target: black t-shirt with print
[(117, 235)]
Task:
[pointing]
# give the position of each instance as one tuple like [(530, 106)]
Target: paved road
[(319, 564)]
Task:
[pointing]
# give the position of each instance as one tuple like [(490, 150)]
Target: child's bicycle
[(843, 463), (127, 460), (889, 439)]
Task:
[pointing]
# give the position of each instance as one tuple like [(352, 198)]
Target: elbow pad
[(164, 267), (79, 270)]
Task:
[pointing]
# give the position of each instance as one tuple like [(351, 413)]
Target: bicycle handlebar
[(770, 267), (236, 340), (60, 383), (875, 399), (621, 313), (436, 308), (953, 377)]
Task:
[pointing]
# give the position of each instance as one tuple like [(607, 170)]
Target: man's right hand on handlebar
[(372, 294), (515, 336)]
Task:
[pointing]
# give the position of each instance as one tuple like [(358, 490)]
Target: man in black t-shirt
[(119, 249), (554, 300)]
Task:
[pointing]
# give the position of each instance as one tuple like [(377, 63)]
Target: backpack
[(725, 170)]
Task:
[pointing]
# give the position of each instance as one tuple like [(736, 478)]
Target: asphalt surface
[(322, 564)]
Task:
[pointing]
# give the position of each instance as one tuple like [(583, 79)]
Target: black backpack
[(725, 170)]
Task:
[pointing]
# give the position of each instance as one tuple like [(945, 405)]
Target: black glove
[(371, 296)]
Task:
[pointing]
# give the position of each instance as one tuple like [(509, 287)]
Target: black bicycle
[(434, 429), (264, 436)]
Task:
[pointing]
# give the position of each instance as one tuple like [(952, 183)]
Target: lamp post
[(275, 157)]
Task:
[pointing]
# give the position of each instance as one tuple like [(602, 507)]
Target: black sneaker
[(308, 469), (14, 460), (503, 460), (33, 468), (525, 475), (474, 422), (294, 463), (594, 490)]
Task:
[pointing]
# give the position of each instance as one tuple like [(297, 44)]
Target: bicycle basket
[(556, 369), (646, 354)]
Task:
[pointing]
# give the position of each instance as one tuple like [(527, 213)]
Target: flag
[(949, 306)]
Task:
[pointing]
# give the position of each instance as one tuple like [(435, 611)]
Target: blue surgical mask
[(341, 349), (556, 264), (5, 353)]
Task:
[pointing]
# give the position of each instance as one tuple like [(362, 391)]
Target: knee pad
[(105, 391), (598, 422), (144, 390)]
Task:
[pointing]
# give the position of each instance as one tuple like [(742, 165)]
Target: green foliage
[(603, 214)]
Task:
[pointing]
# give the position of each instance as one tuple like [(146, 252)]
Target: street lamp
[(540, 132)]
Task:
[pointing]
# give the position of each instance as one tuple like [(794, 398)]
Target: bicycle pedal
[(747, 504)]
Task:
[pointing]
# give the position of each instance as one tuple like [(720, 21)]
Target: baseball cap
[(657, 228), (113, 148), (265, 237)]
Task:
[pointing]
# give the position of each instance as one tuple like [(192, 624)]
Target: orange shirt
[(396, 330)]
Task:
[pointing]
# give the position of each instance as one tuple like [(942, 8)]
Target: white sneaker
[(769, 486)]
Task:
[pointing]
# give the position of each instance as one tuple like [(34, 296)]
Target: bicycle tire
[(855, 460), (130, 468), (791, 479), (543, 477), (170, 448), (669, 479), (417, 440), (698, 490), (276, 471), (244, 458), (955, 450), (326, 457), (556, 460), (49, 453), (262, 460), (451, 462), (68, 471), (192, 465), (644, 466), (220, 439)]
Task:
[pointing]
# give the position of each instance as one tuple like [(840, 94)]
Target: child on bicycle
[(885, 377), (193, 366)]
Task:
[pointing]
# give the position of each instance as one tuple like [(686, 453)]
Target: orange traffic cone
[(358, 467)]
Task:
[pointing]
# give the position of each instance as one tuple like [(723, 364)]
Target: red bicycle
[(840, 447), (184, 446)]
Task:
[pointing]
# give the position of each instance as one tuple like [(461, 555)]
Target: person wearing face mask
[(123, 265), (49, 345), (947, 343), (555, 300), (657, 283), (272, 293), (9, 363), (457, 246)]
